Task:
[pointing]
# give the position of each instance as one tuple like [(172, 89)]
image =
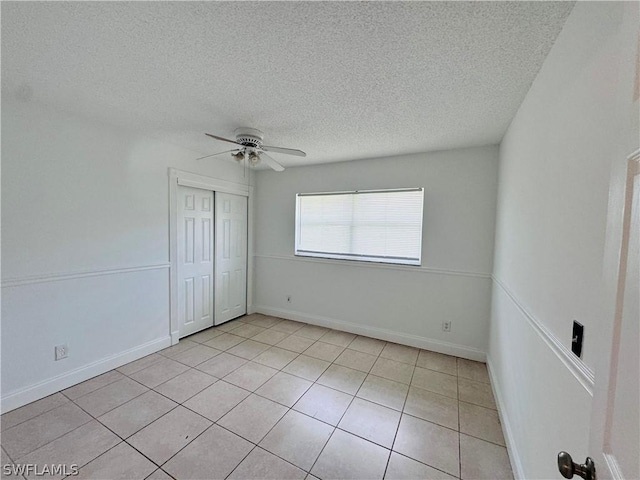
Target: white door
[(231, 256), (614, 438), (615, 431), (195, 259)]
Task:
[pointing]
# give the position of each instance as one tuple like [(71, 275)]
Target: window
[(372, 226)]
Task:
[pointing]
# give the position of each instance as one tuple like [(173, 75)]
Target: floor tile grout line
[(323, 447), (289, 408), (275, 454), (342, 416), (124, 439), (160, 465), (249, 392), (73, 430), (391, 450), (404, 403), (200, 363), (179, 405), (175, 353), (479, 406), (131, 399), (216, 379), (355, 395), (130, 376), (158, 469), (99, 388), (127, 401), (4, 430), (266, 398), (142, 428), (261, 438), (203, 416), (283, 459), (422, 463), (273, 346), (257, 445), (334, 427), (107, 451), (482, 439), (228, 373), (56, 438), (7, 454), (158, 354), (243, 458), (342, 429), (429, 421)]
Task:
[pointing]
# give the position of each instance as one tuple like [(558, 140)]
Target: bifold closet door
[(195, 259), (231, 257)]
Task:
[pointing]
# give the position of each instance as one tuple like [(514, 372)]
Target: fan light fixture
[(238, 156), (254, 158)]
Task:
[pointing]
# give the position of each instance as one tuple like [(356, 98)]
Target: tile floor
[(266, 398)]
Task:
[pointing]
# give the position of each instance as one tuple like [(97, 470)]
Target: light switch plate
[(577, 337)]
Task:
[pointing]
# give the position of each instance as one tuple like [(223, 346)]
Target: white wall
[(85, 246), (405, 304), (555, 165)]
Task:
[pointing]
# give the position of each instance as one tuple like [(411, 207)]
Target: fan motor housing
[(249, 137)]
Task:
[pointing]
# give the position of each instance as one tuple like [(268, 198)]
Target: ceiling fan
[(249, 147)]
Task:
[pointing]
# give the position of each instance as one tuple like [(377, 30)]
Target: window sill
[(360, 259)]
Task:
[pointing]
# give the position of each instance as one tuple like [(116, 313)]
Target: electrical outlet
[(288, 298), (446, 326), (61, 352)]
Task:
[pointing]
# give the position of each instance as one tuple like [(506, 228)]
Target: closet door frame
[(189, 179)]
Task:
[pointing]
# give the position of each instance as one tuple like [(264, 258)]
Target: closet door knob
[(568, 468)]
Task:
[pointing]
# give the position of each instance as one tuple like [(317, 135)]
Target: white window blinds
[(376, 226)]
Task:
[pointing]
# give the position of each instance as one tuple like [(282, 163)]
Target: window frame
[(385, 260)]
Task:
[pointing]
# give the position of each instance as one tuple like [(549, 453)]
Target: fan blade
[(271, 162), (219, 153), (286, 151), (223, 139)]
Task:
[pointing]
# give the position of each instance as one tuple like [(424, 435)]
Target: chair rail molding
[(57, 277), (577, 367)]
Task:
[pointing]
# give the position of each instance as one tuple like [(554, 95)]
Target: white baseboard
[(507, 431), (376, 332), (68, 379)]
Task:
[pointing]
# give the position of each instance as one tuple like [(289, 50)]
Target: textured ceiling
[(340, 80)]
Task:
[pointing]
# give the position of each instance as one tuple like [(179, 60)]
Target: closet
[(211, 258)]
